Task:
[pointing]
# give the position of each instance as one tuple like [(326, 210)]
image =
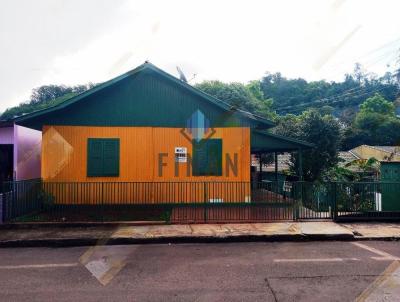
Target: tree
[(248, 97), (44, 97), (322, 130), (375, 124), (235, 94), (377, 104)]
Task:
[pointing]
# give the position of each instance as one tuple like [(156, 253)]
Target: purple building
[(20, 150)]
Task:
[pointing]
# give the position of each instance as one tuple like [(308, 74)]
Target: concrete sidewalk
[(130, 234)]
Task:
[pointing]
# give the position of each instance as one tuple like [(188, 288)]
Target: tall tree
[(375, 124), (322, 130)]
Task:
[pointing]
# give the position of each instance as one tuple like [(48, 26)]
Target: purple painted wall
[(7, 135), (27, 152)]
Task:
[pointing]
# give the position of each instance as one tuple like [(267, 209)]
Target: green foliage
[(370, 165), (375, 124), (236, 94), (322, 130), (44, 97), (297, 95), (341, 174), (377, 104), (247, 97)]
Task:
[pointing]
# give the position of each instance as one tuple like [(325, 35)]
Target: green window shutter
[(103, 157), (200, 159), (94, 157), (111, 157), (215, 156), (207, 157)]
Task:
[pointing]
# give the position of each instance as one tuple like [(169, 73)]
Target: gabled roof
[(347, 156), (32, 119), (387, 149)]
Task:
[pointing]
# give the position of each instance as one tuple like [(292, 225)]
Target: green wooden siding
[(390, 172), (103, 157), (207, 157), (146, 98)]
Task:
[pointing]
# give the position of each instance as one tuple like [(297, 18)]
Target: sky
[(80, 41)]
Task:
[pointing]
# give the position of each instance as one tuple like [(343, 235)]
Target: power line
[(394, 42), (355, 89), (349, 92), (309, 104)]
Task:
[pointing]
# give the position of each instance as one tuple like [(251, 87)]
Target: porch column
[(300, 152), (276, 165), (260, 166)]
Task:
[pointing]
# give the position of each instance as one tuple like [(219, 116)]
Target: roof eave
[(262, 123)]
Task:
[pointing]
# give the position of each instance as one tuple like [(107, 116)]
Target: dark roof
[(7, 123), (38, 118), (264, 142)]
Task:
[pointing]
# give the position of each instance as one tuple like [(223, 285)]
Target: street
[(260, 271)]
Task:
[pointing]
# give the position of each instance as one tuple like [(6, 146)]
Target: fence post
[(297, 196), (205, 201), (300, 200), (334, 201), (102, 201), (2, 203)]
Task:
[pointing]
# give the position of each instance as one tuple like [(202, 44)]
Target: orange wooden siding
[(64, 159)]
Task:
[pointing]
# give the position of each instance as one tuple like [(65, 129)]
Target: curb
[(71, 242), (37, 225)]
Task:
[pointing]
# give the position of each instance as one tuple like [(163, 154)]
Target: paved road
[(297, 271)]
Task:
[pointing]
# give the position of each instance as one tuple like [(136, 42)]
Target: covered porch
[(264, 144)]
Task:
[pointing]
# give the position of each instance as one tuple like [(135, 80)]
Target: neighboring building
[(363, 153), (284, 160), (148, 126), (20, 149), (381, 153)]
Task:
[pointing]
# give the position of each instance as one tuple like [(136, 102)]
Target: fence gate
[(314, 200)]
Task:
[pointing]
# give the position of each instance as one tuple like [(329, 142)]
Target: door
[(6, 162)]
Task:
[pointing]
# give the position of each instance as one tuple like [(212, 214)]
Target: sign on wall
[(180, 154)]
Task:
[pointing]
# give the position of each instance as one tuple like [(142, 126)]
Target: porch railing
[(38, 201)]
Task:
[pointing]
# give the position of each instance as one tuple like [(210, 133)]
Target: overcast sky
[(80, 41)]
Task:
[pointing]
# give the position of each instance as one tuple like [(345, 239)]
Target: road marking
[(384, 256), (385, 288), (317, 260), (28, 266), (104, 262)]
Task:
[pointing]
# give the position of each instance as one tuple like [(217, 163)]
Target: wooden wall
[(64, 159)]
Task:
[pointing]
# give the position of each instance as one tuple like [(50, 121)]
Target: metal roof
[(256, 120), (265, 142)]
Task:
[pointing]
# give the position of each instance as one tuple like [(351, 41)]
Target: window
[(207, 157), (103, 157)]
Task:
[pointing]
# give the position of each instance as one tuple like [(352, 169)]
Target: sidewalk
[(130, 234)]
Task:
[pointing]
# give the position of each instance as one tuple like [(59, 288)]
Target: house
[(20, 149), (284, 162), (148, 127), (381, 153)]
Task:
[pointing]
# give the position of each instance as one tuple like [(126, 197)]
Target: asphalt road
[(297, 271)]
